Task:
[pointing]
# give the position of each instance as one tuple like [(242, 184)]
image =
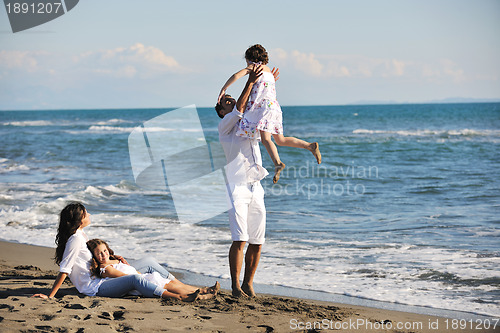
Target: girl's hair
[(257, 53), (70, 220), (94, 266)]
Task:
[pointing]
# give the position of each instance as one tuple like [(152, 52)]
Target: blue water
[(404, 207)]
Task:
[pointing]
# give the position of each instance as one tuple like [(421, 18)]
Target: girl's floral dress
[(263, 113)]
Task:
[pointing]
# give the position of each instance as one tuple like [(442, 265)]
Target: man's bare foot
[(191, 297), (248, 290), (314, 148), (277, 170), (211, 290), (237, 292)]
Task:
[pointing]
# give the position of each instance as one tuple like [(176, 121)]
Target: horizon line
[(359, 103)]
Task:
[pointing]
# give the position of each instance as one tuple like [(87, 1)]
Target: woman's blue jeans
[(117, 287)]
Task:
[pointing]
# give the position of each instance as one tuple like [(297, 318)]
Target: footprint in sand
[(75, 306), (41, 284), (47, 317), (118, 315), (267, 328), (205, 317), (95, 304), (44, 328), (27, 268), (105, 315), (7, 306)]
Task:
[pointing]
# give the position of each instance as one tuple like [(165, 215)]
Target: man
[(244, 170)]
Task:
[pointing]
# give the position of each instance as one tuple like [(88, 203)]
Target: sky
[(162, 54)]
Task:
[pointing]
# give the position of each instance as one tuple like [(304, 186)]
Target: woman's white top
[(76, 263)]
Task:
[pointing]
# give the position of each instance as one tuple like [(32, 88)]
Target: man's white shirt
[(244, 161)]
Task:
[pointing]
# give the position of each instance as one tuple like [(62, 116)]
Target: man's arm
[(255, 72)]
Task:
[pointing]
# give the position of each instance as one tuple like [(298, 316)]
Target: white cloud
[(132, 61), (20, 60), (359, 66), (442, 70), (307, 63), (278, 55)]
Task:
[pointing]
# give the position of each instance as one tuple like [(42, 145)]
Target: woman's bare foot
[(314, 148), (191, 297), (277, 170), (211, 290), (248, 290)]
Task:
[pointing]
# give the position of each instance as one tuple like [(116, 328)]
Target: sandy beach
[(26, 270)]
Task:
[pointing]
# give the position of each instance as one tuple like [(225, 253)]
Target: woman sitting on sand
[(106, 265), (74, 258)]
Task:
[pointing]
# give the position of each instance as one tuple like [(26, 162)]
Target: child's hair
[(257, 53), (70, 220), (94, 266)]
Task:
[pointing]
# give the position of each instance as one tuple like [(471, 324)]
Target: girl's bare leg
[(187, 292), (290, 141), (177, 287), (182, 297), (273, 153)]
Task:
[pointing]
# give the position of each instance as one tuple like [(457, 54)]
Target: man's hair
[(257, 53), (218, 108)]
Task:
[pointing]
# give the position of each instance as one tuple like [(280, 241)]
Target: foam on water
[(11, 166), (113, 121), (430, 132), (110, 129), (29, 123)]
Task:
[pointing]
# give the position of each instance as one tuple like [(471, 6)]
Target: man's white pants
[(247, 217)]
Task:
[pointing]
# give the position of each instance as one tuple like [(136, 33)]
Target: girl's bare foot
[(314, 148), (277, 170), (191, 297)]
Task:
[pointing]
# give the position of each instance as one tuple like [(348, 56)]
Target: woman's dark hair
[(70, 220), (257, 53), (94, 266)]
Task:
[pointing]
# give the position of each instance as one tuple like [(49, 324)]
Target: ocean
[(404, 209)]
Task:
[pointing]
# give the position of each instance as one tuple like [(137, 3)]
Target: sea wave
[(28, 123), (7, 165), (114, 129), (429, 132), (111, 129), (113, 121)]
